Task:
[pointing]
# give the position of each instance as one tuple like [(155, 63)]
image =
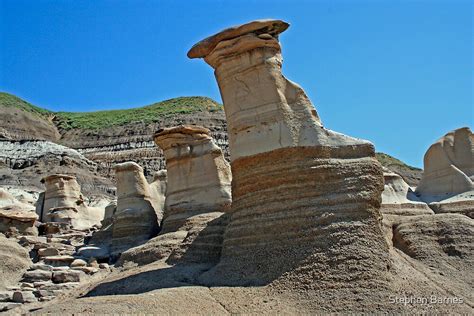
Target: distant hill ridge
[(106, 136), (101, 119)]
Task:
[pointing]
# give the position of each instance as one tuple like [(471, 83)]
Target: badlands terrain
[(187, 206)]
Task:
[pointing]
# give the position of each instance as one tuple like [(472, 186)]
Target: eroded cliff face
[(35, 142), (134, 141), (24, 163)]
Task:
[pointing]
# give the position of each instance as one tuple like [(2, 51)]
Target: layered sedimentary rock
[(23, 162), (139, 210), (197, 195), (199, 178), (448, 177), (133, 142), (64, 203), (444, 246), (399, 201), (306, 200)]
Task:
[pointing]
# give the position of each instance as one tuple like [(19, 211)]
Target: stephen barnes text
[(425, 300)]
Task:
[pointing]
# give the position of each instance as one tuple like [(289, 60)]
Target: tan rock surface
[(199, 178), (197, 195), (448, 166), (15, 216), (139, 210), (14, 260), (63, 202), (304, 198)]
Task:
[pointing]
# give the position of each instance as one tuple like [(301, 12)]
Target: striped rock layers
[(139, 208), (63, 202), (199, 178), (197, 197), (305, 207), (399, 203)]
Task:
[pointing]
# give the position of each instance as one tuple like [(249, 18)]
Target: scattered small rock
[(37, 275), (24, 297), (66, 276), (78, 263)]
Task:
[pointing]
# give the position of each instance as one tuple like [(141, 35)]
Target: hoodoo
[(447, 183), (199, 178), (197, 199), (63, 202), (449, 165), (139, 208), (306, 200)]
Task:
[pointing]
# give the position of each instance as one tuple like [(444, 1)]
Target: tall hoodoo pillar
[(305, 199), (139, 209), (199, 178)]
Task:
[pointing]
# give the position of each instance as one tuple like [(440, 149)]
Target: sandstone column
[(306, 199), (139, 212), (63, 202), (199, 178)]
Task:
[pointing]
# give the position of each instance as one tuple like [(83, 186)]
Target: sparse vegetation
[(9, 100), (103, 119), (389, 161)]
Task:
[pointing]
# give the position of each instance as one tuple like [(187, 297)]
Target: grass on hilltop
[(104, 119), (387, 161), (146, 114), (9, 100)]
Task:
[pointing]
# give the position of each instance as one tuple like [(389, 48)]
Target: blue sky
[(398, 73)]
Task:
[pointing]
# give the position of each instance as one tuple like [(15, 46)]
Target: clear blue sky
[(399, 73)]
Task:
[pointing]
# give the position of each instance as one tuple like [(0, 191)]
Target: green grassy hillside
[(9, 100), (389, 161), (102, 119), (146, 114)]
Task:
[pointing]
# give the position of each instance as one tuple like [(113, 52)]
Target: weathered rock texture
[(197, 195), (399, 199), (139, 208), (449, 166), (14, 260), (64, 203), (443, 243), (22, 163), (447, 182), (16, 217), (199, 178), (306, 199)]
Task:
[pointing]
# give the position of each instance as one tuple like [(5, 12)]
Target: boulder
[(78, 263), (61, 260), (304, 198), (20, 221), (37, 275), (45, 252), (24, 297), (16, 217), (139, 209), (66, 276)]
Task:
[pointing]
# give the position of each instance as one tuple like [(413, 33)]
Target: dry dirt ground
[(158, 288)]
